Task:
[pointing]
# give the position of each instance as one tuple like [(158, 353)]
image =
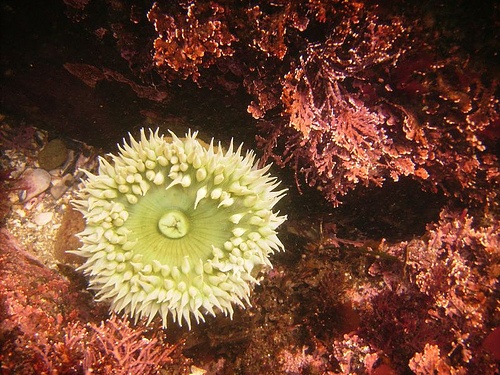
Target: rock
[(53, 155), (43, 218), (33, 182), (72, 223), (60, 186)]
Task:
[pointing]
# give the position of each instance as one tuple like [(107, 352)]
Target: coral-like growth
[(36, 303), (354, 128), (431, 362), (443, 307), (43, 329), (346, 142), (115, 347), (347, 94), (457, 269), (193, 38)]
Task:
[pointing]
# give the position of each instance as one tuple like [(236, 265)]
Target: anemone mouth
[(174, 224), (175, 228), (165, 226)]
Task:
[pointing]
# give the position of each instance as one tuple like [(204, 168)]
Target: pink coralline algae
[(441, 309), (458, 268), (347, 94), (43, 329), (431, 361), (346, 122), (185, 42)]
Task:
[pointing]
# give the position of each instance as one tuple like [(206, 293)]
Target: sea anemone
[(176, 227)]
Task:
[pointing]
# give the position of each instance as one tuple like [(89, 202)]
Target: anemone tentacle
[(177, 229)]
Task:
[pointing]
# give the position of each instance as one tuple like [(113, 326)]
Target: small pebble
[(43, 218), (60, 186), (20, 212), (32, 183)]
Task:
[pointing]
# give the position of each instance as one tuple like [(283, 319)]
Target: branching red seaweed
[(443, 306), (43, 327), (347, 94)]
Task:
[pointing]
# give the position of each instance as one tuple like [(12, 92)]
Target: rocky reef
[(382, 120)]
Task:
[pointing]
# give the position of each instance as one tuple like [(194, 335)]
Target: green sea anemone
[(176, 227)]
